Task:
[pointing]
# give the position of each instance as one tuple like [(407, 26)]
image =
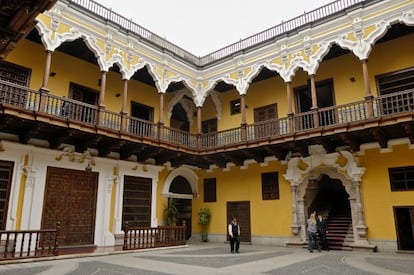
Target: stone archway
[(340, 165)]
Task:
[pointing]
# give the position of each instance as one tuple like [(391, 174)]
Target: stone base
[(295, 244), (364, 247)]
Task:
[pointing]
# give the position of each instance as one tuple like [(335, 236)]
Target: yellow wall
[(162, 202), (378, 200), (269, 217), (30, 55), (70, 69), (389, 57)]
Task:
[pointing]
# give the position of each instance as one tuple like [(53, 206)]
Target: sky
[(202, 27)]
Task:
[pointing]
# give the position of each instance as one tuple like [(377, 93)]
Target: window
[(142, 111), (235, 107), (402, 178), (396, 81), (265, 113), (209, 126), (324, 98), (210, 190), (270, 186), (137, 201), (393, 83), (83, 94), (15, 74)]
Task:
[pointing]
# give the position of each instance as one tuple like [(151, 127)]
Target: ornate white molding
[(73, 156), (317, 158)]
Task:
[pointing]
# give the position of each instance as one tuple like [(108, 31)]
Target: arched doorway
[(327, 197), (180, 185), (335, 171)]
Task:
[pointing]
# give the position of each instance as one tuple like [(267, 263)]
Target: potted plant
[(203, 219), (172, 212)]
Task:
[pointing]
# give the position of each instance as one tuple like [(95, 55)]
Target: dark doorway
[(324, 98), (184, 206), (179, 118), (240, 210), (329, 196), (142, 111), (404, 223)]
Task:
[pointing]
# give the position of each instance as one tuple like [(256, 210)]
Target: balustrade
[(390, 104), (152, 237), (29, 243)]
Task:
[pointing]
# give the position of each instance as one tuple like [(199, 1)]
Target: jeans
[(312, 241)]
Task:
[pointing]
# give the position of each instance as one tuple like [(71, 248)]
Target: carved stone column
[(361, 229), (295, 227), (302, 219)]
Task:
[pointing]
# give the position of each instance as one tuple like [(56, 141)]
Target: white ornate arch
[(341, 165), (186, 173)]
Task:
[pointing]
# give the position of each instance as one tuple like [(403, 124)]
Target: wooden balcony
[(30, 114)]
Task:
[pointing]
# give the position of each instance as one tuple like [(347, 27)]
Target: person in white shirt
[(234, 233)]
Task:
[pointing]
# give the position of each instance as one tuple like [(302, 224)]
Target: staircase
[(340, 233)]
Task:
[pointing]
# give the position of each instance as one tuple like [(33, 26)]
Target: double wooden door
[(240, 210), (70, 198)]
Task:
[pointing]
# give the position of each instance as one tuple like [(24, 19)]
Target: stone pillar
[(302, 219), (361, 229), (295, 227)]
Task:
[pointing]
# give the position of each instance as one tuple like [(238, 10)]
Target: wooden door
[(262, 114), (70, 198), (240, 210), (137, 201), (404, 223), (6, 173)]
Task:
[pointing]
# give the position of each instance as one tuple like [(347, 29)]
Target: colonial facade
[(102, 121)]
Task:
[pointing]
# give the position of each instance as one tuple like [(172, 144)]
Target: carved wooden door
[(70, 198), (240, 210)]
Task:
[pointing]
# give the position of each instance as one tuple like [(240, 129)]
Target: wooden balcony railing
[(153, 237), (20, 97), (29, 243)]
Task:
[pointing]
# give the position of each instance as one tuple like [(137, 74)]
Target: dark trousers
[(234, 243), (322, 239)]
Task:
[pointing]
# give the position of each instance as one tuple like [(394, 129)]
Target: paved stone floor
[(214, 258)]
